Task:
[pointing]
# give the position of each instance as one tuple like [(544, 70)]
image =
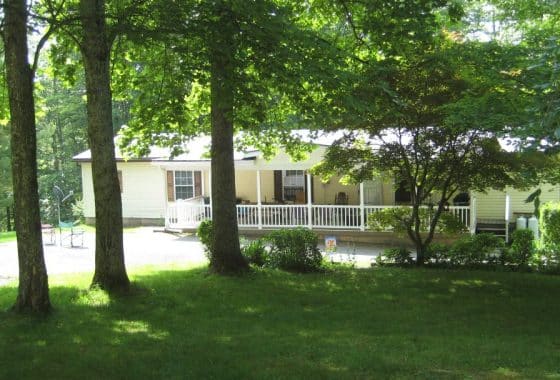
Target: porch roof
[(197, 155)]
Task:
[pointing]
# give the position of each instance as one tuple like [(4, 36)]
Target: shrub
[(78, 210), (437, 253), (550, 226), (255, 252), (522, 248), (478, 249), (294, 250), (205, 233), (398, 218), (399, 256)]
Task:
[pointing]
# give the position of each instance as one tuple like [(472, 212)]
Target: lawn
[(381, 323), (7, 236)]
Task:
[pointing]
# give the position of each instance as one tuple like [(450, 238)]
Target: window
[(184, 184), (293, 183), (402, 194)]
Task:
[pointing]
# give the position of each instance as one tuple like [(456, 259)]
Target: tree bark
[(33, 290), (226, 257), (8, 219), (110, 271)]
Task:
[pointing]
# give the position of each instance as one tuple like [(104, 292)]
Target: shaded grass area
[(7, 236), (382, 323)]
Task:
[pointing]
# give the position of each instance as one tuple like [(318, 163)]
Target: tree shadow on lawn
[(345, 324)]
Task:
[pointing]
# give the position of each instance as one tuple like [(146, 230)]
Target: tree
[(33, 290), (435, 131), (230, 67), (95, 46)]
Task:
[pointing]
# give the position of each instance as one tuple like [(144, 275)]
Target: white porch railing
[(189, 214)]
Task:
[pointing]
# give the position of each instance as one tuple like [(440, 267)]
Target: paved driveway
[(144, 247)]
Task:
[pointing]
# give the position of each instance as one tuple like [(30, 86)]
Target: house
[(276, 193)]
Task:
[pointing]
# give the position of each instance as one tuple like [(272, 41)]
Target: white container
[(521, 223), (533, 225)]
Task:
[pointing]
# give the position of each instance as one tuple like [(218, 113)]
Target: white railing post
[(309, 217), (362, 208), (472, 223), (259, 203), (507, 216)]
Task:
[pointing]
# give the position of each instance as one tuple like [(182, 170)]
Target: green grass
[(381, 323), (6, 237)]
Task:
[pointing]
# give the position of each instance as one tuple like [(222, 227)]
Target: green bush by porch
[(382, 323)]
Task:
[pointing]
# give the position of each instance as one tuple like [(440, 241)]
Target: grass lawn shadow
[(383, 323)]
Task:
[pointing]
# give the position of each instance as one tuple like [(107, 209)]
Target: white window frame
[(175, 185), (292, 184)]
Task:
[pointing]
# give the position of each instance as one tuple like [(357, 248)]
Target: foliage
[(206, 235), (431, 130), (255, 252), (522, 248), (549, 226), (438, 253), (475, 250), (398, 256), (78, 210), (7, 236), (398, 219), (294, 250)]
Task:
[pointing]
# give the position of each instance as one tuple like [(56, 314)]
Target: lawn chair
[(68, 231), (49, 234)]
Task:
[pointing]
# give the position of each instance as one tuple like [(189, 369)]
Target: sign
[(330, 243)]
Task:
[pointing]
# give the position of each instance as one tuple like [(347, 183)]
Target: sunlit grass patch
[(6, 237)]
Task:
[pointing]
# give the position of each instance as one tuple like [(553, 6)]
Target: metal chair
[(75, 235)]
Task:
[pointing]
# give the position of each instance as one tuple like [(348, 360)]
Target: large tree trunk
[(226, 256), (110, 271), (33, 291)]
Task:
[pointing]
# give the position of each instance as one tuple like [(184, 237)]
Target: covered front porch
[(188, 214), (293, 205)]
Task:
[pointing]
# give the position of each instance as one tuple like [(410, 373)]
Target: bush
[(255, 252), (477, 249), (522, 248), (398, 218), (294, 250), (399, 256), (550, 227), (437, 253), (78, 210), (205, 233)]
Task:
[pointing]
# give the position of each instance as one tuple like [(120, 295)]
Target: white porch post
[(309, 217), (362, 208), (210, 191), (507, 217), (259, 203)]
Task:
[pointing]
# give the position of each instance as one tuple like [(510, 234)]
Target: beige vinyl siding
[(143, 190), (87, 191), (325, 193), (143, 194), (491, 205)]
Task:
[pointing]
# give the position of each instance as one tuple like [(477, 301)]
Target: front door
[(373, 192)]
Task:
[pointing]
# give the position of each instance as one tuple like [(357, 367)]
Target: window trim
[(192, 185)]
